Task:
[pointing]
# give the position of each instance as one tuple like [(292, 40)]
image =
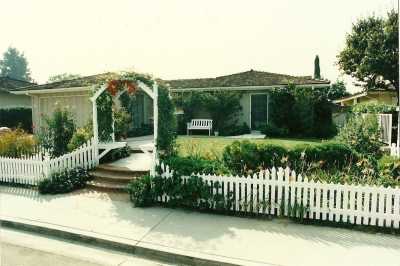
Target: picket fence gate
[(30, 170), (282, 192)]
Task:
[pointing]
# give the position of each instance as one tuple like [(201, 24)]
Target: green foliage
[(297, 111), (194, 193), (62, 77), (317, 70), (14, 65), (362, 134), (166, 122), (140, 192), (64, 182), (371, 51), (16, 143), (235, 130), (223, 107), (337, 90), (16, 117), (105, 117), (58, 132), (373, 108), (80, 137), (122, 121), (271, 130), (116, 154), (245, 157), (189, 165), (144, 130)]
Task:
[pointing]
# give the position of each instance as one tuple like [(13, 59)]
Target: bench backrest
[(206, 123)]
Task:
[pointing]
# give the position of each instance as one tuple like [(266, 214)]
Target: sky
[(173, 39)]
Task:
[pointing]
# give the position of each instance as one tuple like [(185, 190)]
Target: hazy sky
[(181, 38)]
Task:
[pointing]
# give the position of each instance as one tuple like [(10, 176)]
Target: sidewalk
[(242, 241)]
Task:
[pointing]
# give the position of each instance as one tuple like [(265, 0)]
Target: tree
[(317, 70), (15, 65), (63, 76), (335, 91), (371, 52)]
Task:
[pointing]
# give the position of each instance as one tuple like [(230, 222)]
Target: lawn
[(212, 147)]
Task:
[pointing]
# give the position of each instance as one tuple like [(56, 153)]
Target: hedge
[(16, 117)]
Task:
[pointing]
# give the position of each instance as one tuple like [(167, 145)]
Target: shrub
[(58, 133), (362, 134), (241, 156), (80, 137), (122, 120), (116, 154), (245, 157), (236, 130), (16, 118), (64, 182), (271, 130), (373, 108), (189, 165), (144, 130), (166, 122), (16, 143), (140, 192)]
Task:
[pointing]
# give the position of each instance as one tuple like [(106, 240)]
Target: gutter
[(247, 88), (31, 92)]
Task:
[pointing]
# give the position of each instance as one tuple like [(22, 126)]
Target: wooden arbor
[(152, 92)]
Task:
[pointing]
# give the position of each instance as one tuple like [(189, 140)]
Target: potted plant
[(216, 133)]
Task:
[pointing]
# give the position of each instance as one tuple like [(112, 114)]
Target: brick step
[(120, 177), (119, 170), (106, 186)]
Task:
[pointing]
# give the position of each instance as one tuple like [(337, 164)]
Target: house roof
[(7, 83), (72, 83), (362, 94), (243, 79)]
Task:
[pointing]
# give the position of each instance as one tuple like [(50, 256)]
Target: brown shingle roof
[(248, 78), (7, 83), (78, 82)]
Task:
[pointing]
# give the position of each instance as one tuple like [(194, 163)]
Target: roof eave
[(42, 91), (249, 88)]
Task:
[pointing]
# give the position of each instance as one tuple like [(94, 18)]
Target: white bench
[(200, 124)]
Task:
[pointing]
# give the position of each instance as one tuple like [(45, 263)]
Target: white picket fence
[(278, 191), (30, 170), (394, 150)]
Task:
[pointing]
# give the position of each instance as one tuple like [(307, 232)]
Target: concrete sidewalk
[(242, 241)]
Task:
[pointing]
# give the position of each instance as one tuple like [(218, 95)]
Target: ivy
[(166, 122)]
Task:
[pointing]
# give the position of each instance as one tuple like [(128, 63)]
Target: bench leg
[(209, 132)]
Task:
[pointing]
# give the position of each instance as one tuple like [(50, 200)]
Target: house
[(254, 86), (376, 96), (74, 95), (9, 100)]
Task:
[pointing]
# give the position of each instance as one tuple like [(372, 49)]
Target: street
[(25, 249)]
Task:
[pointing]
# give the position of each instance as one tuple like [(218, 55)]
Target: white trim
[(32, 92), (247, 88), (146, 89)]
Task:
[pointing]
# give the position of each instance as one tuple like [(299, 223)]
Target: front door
[(259, 111)]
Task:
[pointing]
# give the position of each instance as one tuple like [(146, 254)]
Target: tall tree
[(317, 70), (371, 52), (63, 76), (15, 65)]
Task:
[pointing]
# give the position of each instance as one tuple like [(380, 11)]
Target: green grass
[(212, 147)]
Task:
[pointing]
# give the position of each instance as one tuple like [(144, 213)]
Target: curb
[(91, 239)]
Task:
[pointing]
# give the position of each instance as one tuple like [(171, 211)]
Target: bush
[(80, 137), (140, 192), (271, 130), (16, 118), (246, 157), (64, 182), (373, 108), (116, 154), (58, 133), (122, 121), (166, 122), (144, 130), (236, 130), (362, 134), (17, 143), (189, 165)]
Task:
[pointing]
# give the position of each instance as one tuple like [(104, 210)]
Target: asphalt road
[(25, 249)]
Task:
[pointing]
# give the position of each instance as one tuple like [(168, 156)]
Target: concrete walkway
[(242, 241)]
